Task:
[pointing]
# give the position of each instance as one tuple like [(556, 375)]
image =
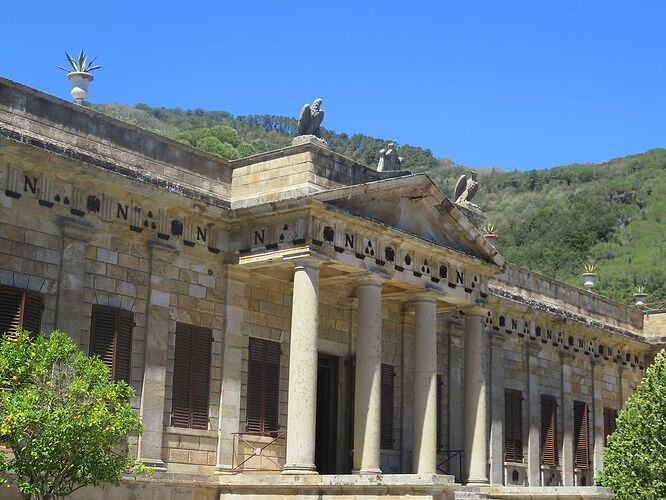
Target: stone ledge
[(547, 492), (274, 482)]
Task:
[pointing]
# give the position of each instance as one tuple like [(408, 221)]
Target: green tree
[(635, 457), (65, 422)]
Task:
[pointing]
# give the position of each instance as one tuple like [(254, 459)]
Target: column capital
[(75, 229), (369, 279), (424, 296), (476, 311), (309, 260)]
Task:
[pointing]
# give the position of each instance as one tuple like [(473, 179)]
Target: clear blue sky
[(514, 84)]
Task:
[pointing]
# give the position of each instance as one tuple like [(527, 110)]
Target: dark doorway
[(326, 441)]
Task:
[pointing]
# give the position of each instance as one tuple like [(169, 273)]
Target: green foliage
[(65, 422), (81, 64), (635, 456)]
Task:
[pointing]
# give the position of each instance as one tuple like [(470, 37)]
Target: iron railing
[(259, 445), (447, 456)]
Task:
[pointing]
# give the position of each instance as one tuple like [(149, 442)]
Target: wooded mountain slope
[(553, 221)]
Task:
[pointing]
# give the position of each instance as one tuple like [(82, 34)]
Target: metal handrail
[(245, 437), (448, 456)]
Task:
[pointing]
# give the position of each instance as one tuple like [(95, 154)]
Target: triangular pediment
[(414, 205)]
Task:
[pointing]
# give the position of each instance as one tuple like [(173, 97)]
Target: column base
[(300, 469), (367, 472), (155, 463), (477, 482)]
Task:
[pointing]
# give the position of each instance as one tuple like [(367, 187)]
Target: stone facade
[(377, 272)]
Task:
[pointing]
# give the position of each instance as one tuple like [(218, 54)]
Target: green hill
[(553, 221)]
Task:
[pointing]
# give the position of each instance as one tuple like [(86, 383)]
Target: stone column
[(232, 359), (476, 383), (69, 309), (156, 341), (424, 457), (367, 394), (567, 420), (597, 368), (533, 416), (302, 402), (496, 410)]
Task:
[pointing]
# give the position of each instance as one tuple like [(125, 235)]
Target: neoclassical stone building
[(297, 324)]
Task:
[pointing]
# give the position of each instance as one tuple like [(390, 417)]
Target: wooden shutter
[(581, 435), (111, 339), (32, 311), (180, 408), (123, 345), (549, 454), (610, 415), (513, 425), (191, 377), (19, 308), (387, 374), (263, 386)]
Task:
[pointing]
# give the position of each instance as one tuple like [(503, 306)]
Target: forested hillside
[(553, 221)]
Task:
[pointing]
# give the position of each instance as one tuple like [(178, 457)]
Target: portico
[(374, 273)]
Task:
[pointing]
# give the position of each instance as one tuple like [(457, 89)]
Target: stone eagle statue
[(389, 159), (466, 189), (310, 120)]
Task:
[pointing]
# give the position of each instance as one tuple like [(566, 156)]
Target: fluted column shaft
[(424, 457), (367, 394), (302, 394), (476, 442)]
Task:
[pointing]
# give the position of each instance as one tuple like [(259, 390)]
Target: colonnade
[(302, 392)]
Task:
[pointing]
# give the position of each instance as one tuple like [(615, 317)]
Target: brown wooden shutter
[(191, 377), (386, 439), (180, 408), (111, 339), (581, 435), (549, 454), (32, 311), (201, 347), (102, 333), (263, 386), (123, 345), (10, 309), (610, 415), (20, 308), (513, 425)]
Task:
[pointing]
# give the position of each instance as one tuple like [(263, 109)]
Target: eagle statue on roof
[(310, 120), (466, 189)]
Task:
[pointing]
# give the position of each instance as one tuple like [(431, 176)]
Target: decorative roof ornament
[(389, 159), (310, 120), (79, 75), (466, 189)]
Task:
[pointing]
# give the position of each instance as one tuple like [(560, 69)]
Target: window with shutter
[(386, 438), (581, 435), (513, 425), (20, 309), (263, 387), (549, 452), (610, 415), (191, 376), (111, 339)]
